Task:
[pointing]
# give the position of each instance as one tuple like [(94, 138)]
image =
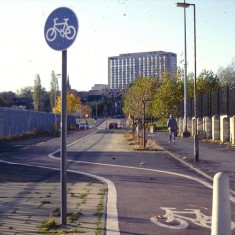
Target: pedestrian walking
[(172, 127)]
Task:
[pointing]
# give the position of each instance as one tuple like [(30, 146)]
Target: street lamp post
[(196, 146), (185, 126)]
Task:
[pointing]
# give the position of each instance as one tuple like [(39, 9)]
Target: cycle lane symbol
[(174, 219), (61, 28)]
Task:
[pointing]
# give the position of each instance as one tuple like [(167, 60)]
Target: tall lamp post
[(185, 126), (196, 146)]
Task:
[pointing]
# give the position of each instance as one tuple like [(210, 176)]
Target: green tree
[(207, 82), (131, 105), (168, 97), (180, 73), (6, 98), (37, 93), (190, 85), (128, 108), (138, 99), (54, 89), (25, 92)]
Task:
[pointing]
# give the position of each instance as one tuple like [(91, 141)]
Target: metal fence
[(15, 122), (219, 102)]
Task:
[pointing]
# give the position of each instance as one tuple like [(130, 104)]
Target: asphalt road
[(147, 183)]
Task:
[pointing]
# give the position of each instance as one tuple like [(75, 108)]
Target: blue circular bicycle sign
[(61, 28)]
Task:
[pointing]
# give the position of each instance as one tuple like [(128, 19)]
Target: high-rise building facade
[(125, 68)]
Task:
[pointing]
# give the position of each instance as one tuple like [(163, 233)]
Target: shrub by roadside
[(136, 142)]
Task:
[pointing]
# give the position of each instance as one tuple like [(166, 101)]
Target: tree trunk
[(133, 124), (144, 126)]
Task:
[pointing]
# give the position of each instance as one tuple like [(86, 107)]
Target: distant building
[(125, 68), (100, 87), (94, 96)]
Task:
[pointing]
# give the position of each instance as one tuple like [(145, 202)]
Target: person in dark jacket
[(172, 127)]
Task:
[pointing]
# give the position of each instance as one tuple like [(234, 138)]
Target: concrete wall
[(216, 128)]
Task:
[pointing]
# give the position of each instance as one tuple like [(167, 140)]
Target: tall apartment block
[(125, 68)]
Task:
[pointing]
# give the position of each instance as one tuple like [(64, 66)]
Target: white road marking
[(57, 151), (144, 169), (172, 215)]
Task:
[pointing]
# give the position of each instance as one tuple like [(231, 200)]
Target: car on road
[(83, 125), (113, 125)]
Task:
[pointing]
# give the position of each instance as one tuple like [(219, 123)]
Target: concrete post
[(215, 128), (189, 123), (208, 127), (152, 129), (221, 211), (224, 128), (200, 128), (180, 126), (232, 130), (193, 126)]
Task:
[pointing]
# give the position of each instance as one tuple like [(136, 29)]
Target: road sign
[(61, 28)]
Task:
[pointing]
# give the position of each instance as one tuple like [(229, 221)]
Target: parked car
[(83, 125), (113, 125)]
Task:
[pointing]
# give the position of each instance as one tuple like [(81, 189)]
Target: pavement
[(214, 156), (30, 195)]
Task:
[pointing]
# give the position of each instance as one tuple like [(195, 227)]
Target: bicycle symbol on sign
[(65, 30), (178, 220)]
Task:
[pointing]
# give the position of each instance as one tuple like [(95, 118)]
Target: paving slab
[(27, 201)]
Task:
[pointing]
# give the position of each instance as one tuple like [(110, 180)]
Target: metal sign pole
[(63, 153), (60, 39)]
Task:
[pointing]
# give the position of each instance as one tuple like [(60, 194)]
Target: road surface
[(147, 185)]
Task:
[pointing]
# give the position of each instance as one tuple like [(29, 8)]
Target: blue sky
[(109, 28)]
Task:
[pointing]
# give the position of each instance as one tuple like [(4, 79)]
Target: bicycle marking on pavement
[(178, 219), (174, 219)]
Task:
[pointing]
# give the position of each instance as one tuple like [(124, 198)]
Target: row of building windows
[(124, 69), (132, 60)]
